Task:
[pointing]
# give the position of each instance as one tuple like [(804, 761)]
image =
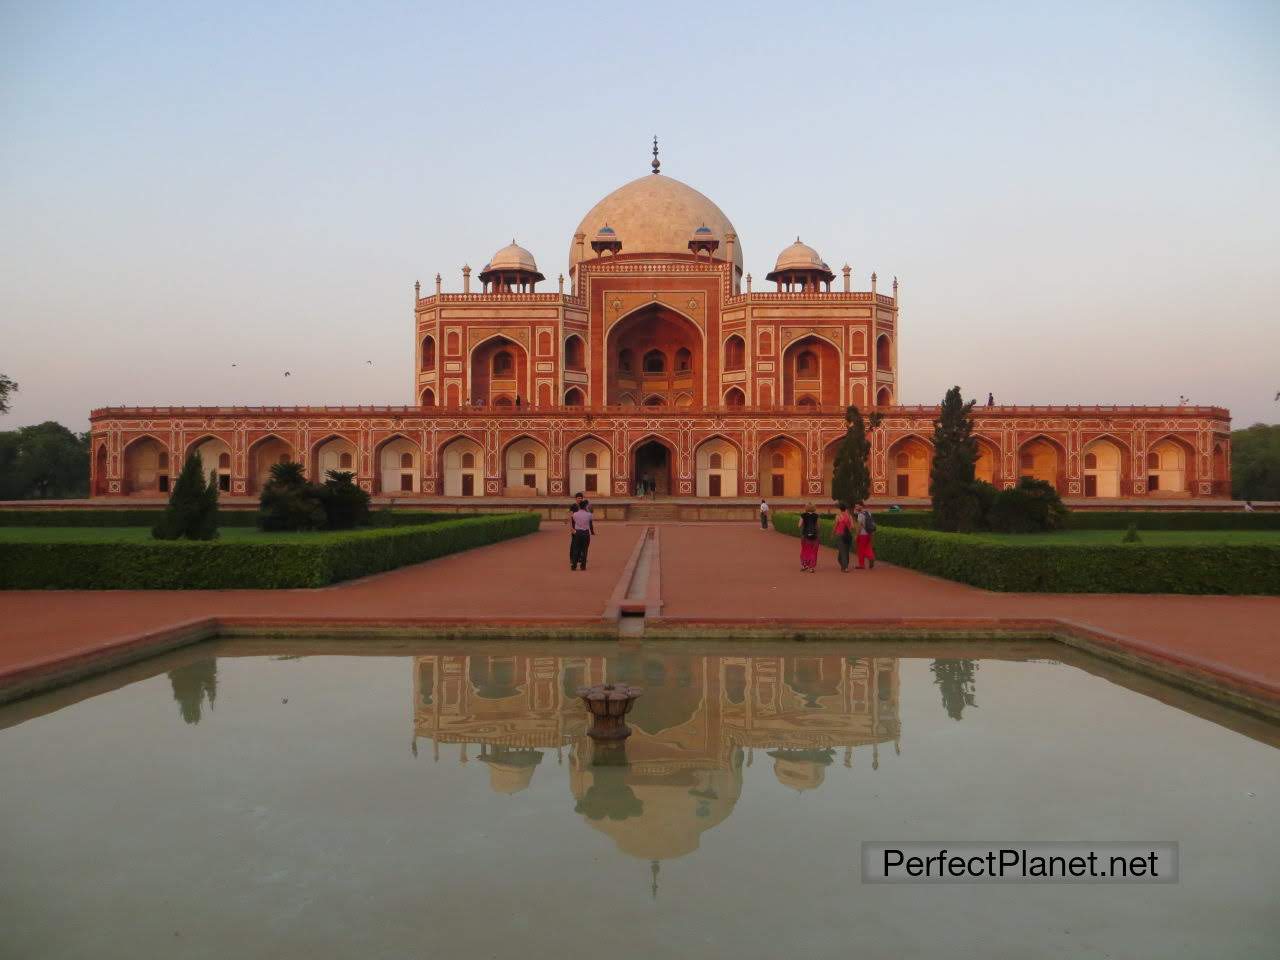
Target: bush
[(1131, 534), (1171, 520), (187, 565), (346, 506), (289, 502), (193, 505), (1071, 567), (1033, 506)]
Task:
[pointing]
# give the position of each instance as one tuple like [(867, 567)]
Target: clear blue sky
[(1081, 198)]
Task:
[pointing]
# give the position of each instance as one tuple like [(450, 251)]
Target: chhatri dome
[(800, 256), (511, 258), (656, 214)]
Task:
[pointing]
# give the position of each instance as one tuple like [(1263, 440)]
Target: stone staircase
[(653, 511)]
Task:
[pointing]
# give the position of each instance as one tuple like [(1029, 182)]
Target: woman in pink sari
[(809, 539)]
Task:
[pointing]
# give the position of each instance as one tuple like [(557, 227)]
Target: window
[(626, 361), (735, 353), (164, 460), (406, 461), (684, 360), (1153, 460), (530, 480), (714, 461), (884, 359), (591, 461), (808, 401), (575, 354), (224, 461), (778, 461), (406, 483), (344, 461), (654, 401), (283, 458), (1027, 461), (734, 398), (504, 364), (589, 483), (529, 461), (468, 461), (1091, 461), (655, 361), (807, 364), (573, 398), (428, 352), (903, 460)]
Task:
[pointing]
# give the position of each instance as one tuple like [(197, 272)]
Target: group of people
[(854, 530), (582, 528)]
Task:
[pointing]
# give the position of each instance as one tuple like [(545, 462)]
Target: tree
[(193, 505), (1033, 506), (289, 502), (345, 505), (7, 388), (1255, 462), (851, 477), (46, 461), (956, 683), (951, 481)]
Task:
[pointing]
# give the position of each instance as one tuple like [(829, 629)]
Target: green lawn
[(1155, 538), (143, 535)]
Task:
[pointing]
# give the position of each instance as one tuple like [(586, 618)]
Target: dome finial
[(656, 163)]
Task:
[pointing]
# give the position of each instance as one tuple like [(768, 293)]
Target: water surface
[(247, 798)]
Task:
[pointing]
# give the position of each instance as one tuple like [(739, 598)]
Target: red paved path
[(709, 571)]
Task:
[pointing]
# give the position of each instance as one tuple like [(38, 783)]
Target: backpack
[(871, 523)]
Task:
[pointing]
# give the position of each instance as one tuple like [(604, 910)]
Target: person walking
[(866, 527), (844, 532), (583, 528), (809, 539), (764, 514)]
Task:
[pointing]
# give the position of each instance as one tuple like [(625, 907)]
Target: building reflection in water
[(700, 721)]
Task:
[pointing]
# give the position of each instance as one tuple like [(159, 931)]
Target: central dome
[(656, 214)]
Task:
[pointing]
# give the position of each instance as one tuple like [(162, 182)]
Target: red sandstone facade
[(659, 365)]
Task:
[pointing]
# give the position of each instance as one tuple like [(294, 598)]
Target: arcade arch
[(811, 373), (146, 467), (462, 466), (215, 459), (716, 461), (909, 461), (399, 467), (780, 468), (336, 454), (653, 463), (1103, 464), (589, 468), (526, 468), (1042, 459), (1167, 467), (499, 369), (263, 455)]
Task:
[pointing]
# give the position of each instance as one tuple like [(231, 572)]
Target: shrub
[(1033, 506), (185, 565), (289, 502), (193, 505), (1071, 567), (150, 516), (346, 506), (1131, 534), (1172, 520)]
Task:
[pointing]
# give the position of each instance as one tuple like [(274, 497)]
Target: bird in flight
[(286, 373)]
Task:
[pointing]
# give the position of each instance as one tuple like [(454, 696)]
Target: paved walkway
[(721, 572)]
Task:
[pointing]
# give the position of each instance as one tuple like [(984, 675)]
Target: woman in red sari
[(809, 539)]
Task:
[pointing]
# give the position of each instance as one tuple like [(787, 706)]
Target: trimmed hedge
[(210, 565), (1171, 520), (148, 517), (1070, 567)]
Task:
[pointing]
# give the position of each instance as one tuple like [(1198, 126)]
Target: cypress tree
[(193, 505), (851, 477), (951, 478)]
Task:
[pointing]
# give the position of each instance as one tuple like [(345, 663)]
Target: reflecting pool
[(397, 799)]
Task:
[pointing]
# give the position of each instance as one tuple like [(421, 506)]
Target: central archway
[(654, 352), (653, 468), (811, 373)]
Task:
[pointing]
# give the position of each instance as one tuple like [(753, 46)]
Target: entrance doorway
[(653, 468)]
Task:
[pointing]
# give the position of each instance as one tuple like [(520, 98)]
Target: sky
[(1080, 199)]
